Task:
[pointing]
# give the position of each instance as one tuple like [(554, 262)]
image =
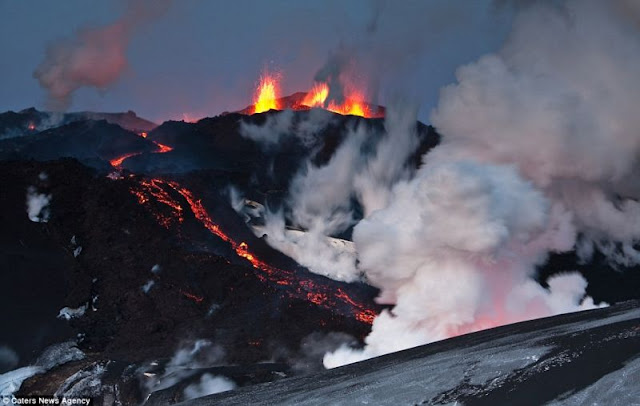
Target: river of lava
[(295, 285), (157, 189), (161, 149)]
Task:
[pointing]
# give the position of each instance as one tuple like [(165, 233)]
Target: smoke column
[(538, 154), (94, 57)]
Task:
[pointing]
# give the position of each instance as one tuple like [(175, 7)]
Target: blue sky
[(204, 57)]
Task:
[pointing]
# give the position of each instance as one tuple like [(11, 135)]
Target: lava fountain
[(267, 94), (267, 97)]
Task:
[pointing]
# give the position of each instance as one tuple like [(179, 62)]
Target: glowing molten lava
[(295, 285), (157, 189), (267, 98), (117, 162), (353, 105), (316, 96), (267, 94)]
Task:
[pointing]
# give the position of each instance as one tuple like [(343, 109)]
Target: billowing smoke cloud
[(560, 105), (454, 251), (539, 144), (94, 57)]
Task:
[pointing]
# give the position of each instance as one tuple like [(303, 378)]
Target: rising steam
[(94, 57), (539, 146)]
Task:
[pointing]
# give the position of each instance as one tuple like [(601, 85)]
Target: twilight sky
[(201, 58)]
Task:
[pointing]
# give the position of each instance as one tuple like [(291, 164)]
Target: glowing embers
[(153, 191), (267, 94)]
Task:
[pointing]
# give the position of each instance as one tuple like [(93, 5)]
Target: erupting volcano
[(475, 241), (267, 97)]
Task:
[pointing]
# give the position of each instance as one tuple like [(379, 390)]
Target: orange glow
[(267, 94), (267, 97), (162, 148), (157, 189), (320, 294), (353, 105), (32, 127), (188, 118), (117, 162), (153, 191), (316, 96)]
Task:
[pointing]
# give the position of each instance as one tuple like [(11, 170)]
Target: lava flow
[(117, 162), (298, 287), (157, 189)]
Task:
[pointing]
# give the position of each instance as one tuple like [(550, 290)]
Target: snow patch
[(68, 313), (147, 286)]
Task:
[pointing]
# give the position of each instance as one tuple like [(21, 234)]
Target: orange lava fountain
[(353, 105), (316, 96), (267, 94), (267, 98)]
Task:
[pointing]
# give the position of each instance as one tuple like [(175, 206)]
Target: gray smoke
[(93, 57)]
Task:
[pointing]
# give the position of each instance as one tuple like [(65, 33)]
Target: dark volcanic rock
[(590, 357), (31, 121), (169, 212), (196, 293), (93, 142)]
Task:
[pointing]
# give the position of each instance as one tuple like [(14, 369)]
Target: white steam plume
[(38, 205), (321, 197), (208, 385), (454, 252), (539, 143), (560, 104), (94, 57)]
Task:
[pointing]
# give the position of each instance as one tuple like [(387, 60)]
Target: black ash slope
[(569, 359)]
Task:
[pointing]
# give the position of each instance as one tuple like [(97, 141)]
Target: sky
[(200, 58)]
